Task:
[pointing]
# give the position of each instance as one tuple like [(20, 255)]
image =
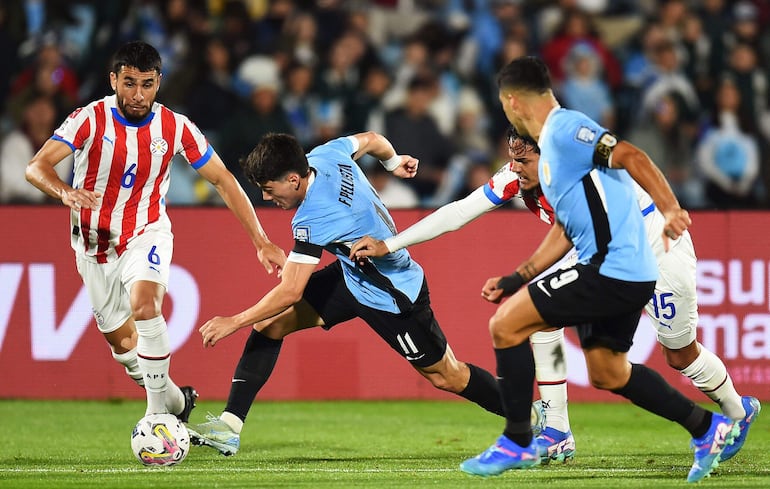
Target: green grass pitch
[(409, 444)]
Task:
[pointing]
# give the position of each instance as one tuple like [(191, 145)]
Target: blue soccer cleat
[(752, 407), (503, 455), (555, 445), (709, 447)]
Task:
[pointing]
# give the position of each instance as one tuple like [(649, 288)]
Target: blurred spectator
[(670, 15), (752, 83), (577, 27), (413, 131), (262, 113), (340, 76), (715, 22), (393, 192), (300, 39), (472, 132), (213, 99), (237, 31), (747, 29), (363, 109), (513, 47), (669, 78), (663, 136), (268, 30), (583, 88), (471, 149), (639, 67), (20, 145), (414, 59), (754, 110), (697, 58), (728, 157), (9, 65), (50, 74), (300, 102), (552, 16)]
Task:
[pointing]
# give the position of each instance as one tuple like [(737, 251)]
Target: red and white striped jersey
[(129, 164), (504, 186)]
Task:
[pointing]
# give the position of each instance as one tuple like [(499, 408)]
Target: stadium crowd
[(687, 81)]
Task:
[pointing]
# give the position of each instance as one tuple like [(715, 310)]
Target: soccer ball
[(160, 439), (537, 417)]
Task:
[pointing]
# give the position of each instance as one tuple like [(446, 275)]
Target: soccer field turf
[(69, 444)]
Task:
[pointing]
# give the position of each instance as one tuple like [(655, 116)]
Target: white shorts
[(673, 310), (147, 257)]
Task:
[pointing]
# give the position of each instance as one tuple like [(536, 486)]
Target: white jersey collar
[(544, 129)]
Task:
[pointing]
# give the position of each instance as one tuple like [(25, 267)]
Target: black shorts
[(415, 335), (604, 310)]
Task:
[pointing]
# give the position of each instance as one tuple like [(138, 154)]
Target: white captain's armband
[(604, 148)]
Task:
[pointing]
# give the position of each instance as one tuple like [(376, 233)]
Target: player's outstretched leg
[(752, 407), (710, 446), (503, 455), (215, 433)]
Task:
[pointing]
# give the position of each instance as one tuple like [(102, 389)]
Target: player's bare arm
[(270, 255), (294, 278), (377, 145), (554, 246), (644, 171), (449, 217), (40, 173)]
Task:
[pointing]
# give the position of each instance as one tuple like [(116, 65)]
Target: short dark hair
[(517, 142), (275, 156), (137, 54), (525, 73)]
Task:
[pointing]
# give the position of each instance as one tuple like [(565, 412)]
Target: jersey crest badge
[(158, 146), (585, 135), (302, 233)]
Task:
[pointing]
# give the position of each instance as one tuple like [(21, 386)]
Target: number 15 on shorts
[(663, 306)]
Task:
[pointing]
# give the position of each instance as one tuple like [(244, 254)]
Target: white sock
[(551, 375), (154, 357), (174, 396), (233, 421), (709, 374), (128, 360)]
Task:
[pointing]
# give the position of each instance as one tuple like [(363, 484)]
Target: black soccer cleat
[(190, 395)]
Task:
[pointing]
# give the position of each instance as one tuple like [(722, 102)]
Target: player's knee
[(503, 333), (448, 375), (447, 382), (681, 358), (608, 380), (145, 310)]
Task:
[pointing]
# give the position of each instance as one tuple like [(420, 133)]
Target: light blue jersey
[(341, 207), (596, 205)]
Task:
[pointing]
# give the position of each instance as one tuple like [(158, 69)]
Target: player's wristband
[(391, 163), (510, 283)]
